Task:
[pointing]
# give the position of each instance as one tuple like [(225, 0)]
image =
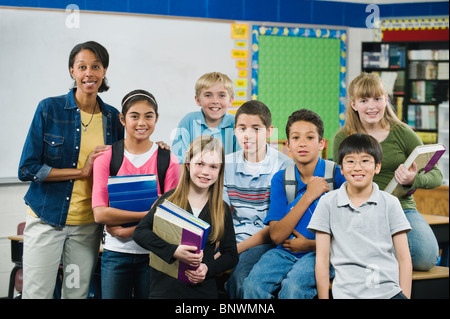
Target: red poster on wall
[(415, 30), (415, 35)]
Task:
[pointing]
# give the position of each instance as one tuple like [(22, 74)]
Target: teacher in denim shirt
[(67, 133)]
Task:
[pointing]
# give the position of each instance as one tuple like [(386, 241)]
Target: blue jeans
[(422, 242), (247, 260), (125, 276), (279, 268)]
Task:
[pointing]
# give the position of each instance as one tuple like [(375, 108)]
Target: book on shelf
[(425, 157), (422, 116), (399, 86), (427, 137), (371, 59), (179, 227), (442, 73), (389, 79), (135, 193), (423, 70), (422, 91), (396, 56), (399, 107), (428, 54), (384, 56)]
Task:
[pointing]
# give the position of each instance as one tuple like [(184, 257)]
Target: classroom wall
[(13, 210), (337, 12)]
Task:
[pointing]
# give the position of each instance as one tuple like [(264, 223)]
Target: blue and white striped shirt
[(247, 189)]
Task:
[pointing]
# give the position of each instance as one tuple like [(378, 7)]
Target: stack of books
[(423, 70), (422, 116), (135, 193), (422, 91), (179, 227)]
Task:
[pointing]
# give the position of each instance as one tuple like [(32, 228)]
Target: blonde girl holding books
[(199, 192), (370, 112), (125, 265)]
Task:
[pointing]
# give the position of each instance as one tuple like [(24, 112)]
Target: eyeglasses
[(352, 163)]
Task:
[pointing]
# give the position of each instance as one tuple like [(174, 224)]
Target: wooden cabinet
[(433, 201)]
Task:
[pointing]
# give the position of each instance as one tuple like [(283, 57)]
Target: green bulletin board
[(296, 68)]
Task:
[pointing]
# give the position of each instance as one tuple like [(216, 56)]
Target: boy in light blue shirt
[(214, 93), (248, 174)]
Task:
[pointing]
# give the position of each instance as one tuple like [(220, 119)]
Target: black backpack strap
[(162, 164), (116, 157)]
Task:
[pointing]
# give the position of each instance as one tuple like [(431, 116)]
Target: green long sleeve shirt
[(397, 146)]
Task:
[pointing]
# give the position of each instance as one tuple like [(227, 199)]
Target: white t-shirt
[(128, 245)]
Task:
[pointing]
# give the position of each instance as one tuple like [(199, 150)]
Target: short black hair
[(254, 107), (360, 143), (307, 116), (100, 52)]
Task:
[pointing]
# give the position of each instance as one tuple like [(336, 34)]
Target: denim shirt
[(53, 141)]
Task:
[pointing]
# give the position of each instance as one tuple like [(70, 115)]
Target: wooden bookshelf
[(416, 77)]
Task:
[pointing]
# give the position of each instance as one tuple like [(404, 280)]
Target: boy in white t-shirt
[(358, 227)]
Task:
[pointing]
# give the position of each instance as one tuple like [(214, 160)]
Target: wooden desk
[(432, 201), (436, 219), (432, 284), (433, 273)]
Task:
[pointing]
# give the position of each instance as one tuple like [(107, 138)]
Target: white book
[(426, 157)]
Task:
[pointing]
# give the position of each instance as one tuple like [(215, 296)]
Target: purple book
[(177, 228)]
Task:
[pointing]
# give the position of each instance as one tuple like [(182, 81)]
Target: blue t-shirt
[(194, 124), (279, 206)]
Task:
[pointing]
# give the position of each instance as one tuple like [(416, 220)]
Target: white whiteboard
[(162, 55)]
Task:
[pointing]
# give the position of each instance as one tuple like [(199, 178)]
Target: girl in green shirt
[(370, 112)]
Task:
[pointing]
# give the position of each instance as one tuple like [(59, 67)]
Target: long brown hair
[(367, 85), (202, 144)]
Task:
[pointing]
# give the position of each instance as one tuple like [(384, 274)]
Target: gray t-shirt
[(361, 248)]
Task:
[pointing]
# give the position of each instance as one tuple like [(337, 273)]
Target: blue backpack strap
[(290, 183)]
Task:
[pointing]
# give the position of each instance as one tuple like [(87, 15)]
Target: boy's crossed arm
[(282, 229), (259, 238)]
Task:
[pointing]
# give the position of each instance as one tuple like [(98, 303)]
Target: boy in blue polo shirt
[(291, 264), (214, 93), (248, 173)]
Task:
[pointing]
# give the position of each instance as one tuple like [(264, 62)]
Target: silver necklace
[(92, 116)]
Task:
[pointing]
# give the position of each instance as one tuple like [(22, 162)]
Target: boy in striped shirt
[(248, 174)]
